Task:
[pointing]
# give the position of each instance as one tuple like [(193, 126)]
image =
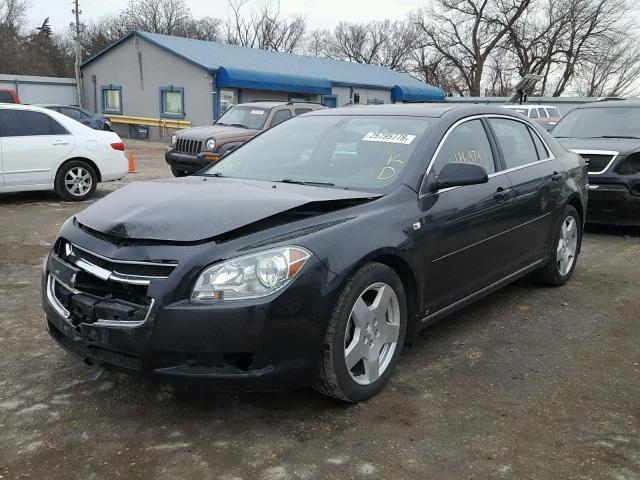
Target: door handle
[(60, 142), (502, 193), (556, 177)]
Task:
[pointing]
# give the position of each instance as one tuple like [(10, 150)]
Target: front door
[(464, 228), (33, 144)]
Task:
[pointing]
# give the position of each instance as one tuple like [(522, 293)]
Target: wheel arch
[(575, 202), (403, 269), (82, 159)]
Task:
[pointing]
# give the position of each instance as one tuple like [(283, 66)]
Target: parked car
[(41, 150), (8, 96), (545, 115), (310, 254), (92, 120), (607, 135), (194, 148)]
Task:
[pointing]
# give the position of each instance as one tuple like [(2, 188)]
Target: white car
[(42, 150)]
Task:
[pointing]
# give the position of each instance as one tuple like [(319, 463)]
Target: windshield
[(247, 117), (605, 122), (356, 152)]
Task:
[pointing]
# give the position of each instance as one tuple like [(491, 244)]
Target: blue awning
[(279, 82), (426, 93)]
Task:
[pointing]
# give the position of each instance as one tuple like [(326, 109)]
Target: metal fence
[(32, 89)]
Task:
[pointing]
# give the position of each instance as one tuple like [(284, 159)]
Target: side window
[(515, 142), (280, 116), (172, 102), (542, 112), (23, 123), (300, 111), (467, 143), (541, 149), (533, 113), (112, 99)]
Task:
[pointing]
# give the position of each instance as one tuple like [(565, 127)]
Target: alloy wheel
[(78, 181), (567, 245), (372, 333)]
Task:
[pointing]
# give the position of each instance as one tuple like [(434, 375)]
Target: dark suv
[(194, 148), (607, 135)]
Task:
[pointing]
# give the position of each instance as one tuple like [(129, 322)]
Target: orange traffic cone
[(132, 167)]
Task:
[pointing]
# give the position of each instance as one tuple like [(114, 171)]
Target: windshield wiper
[(214, 174), (300, 182), (236, 125), (617, 136), (223, 124)]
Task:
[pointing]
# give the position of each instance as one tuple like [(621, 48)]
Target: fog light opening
[(241, 361)]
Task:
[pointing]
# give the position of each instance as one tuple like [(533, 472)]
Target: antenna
[(524, 87)]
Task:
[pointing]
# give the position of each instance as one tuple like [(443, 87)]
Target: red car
[(8, 96)]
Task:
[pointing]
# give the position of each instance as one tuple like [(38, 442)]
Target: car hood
[(622, 145), (193, 209), (218, 132)]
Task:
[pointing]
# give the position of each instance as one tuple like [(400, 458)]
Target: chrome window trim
[(614, 155), (63, 312), (423, 194)]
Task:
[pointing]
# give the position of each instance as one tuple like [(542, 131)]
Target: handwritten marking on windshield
[(388, 171)]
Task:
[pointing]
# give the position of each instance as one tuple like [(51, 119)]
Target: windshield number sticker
[(402, 138), (388, 171), (257, 112)]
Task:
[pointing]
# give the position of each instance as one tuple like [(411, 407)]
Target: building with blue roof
[(159, 76)]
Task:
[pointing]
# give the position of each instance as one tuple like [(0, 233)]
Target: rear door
[(536, 178), (33, 144), (463, 227)]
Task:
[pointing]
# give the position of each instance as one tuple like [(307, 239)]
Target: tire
[(349, 331), (76, 180), (556, 273), (178, 173)]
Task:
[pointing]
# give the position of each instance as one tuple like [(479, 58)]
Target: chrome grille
[(186, 145)]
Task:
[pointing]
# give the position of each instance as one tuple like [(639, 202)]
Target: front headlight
[(211, 144), (174, 139), (250, 276)]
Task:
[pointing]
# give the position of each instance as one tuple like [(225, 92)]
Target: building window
[(112, 99), (227, 99), (375, 101), (172, 102)]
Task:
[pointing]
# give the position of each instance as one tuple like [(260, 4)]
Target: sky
[(319, 13)]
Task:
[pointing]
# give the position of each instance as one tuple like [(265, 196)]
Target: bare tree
[(386, 43), (466, 32), (430, 67), (263, 27), (12, 23)]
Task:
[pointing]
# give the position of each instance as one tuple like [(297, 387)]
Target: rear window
[(553, 112)]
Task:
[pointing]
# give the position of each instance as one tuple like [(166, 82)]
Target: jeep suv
[(194, 148)]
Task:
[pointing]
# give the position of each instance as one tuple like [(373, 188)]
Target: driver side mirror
[(457, 175)]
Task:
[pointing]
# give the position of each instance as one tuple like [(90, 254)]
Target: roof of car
[(612, 104), (271, 104), (22, 106), (528, 106), (431, 110)]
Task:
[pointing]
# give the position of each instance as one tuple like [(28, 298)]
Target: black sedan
[(607, 135), (92, 120), (312, 253)]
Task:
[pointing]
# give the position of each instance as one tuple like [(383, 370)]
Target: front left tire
[(75, 181), (364, 336)]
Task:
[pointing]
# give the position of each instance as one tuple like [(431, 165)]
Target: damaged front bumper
[(264, 344), (614, 204)]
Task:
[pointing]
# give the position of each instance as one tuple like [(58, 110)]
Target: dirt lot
[(531, 383)]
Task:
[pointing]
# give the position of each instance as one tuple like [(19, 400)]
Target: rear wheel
[(75, 181), (365, 335), (566, 246), (178, 172)]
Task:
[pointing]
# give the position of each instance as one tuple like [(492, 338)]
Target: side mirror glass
[(457, 175)]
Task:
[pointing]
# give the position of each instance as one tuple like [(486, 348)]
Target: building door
[(329, 101)]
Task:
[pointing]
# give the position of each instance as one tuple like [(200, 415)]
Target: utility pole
[(76, 10)]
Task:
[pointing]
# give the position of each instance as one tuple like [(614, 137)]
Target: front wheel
[(566, 247), (365, 335), (75, 181)]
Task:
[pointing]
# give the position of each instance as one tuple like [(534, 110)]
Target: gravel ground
[(530, 383)]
